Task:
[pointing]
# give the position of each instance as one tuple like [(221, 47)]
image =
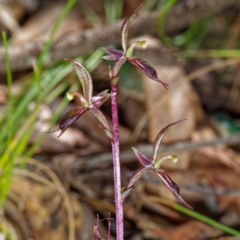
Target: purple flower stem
[(116, 163)]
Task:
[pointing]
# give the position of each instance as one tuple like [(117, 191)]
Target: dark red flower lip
[(172, 186), (69, 118)]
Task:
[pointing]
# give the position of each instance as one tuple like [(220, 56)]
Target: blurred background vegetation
[(51, 188)]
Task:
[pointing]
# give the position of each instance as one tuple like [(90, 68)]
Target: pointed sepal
[(160, 137), (125, 28), (100, 98), (172, 186), (114, 54), (147, 69), (137, 175), (84, 77), (144, 160)]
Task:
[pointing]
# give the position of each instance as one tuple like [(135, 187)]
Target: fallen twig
[(80, 43), (128, 155)]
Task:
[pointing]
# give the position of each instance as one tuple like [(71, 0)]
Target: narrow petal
[(125, 28), (70, 117), (157, 164), (84, 77), (137, 175), (172, 186), (146, 69), (109, 58), (160, 136), (101, 118), (144, 160), (100, 98), (114, 54)]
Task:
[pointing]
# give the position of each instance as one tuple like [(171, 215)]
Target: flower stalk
[(116, 161)]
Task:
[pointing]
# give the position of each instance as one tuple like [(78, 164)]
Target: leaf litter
[(43, 211)]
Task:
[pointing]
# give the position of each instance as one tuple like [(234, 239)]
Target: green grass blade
[(55, 116), (205, 219), (194, 36), (161, 20), (212, 53), (50, 78), (47, 46), (94, 59), (17, 117), (92, 16), (113, 10), (9, 83), (119, 8)]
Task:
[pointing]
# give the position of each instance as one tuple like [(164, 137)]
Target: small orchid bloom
[(120, 56), (154, 164), (88, 102)]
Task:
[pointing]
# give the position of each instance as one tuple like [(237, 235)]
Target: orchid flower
[(88, 102), (154, 164), (120, 56)]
